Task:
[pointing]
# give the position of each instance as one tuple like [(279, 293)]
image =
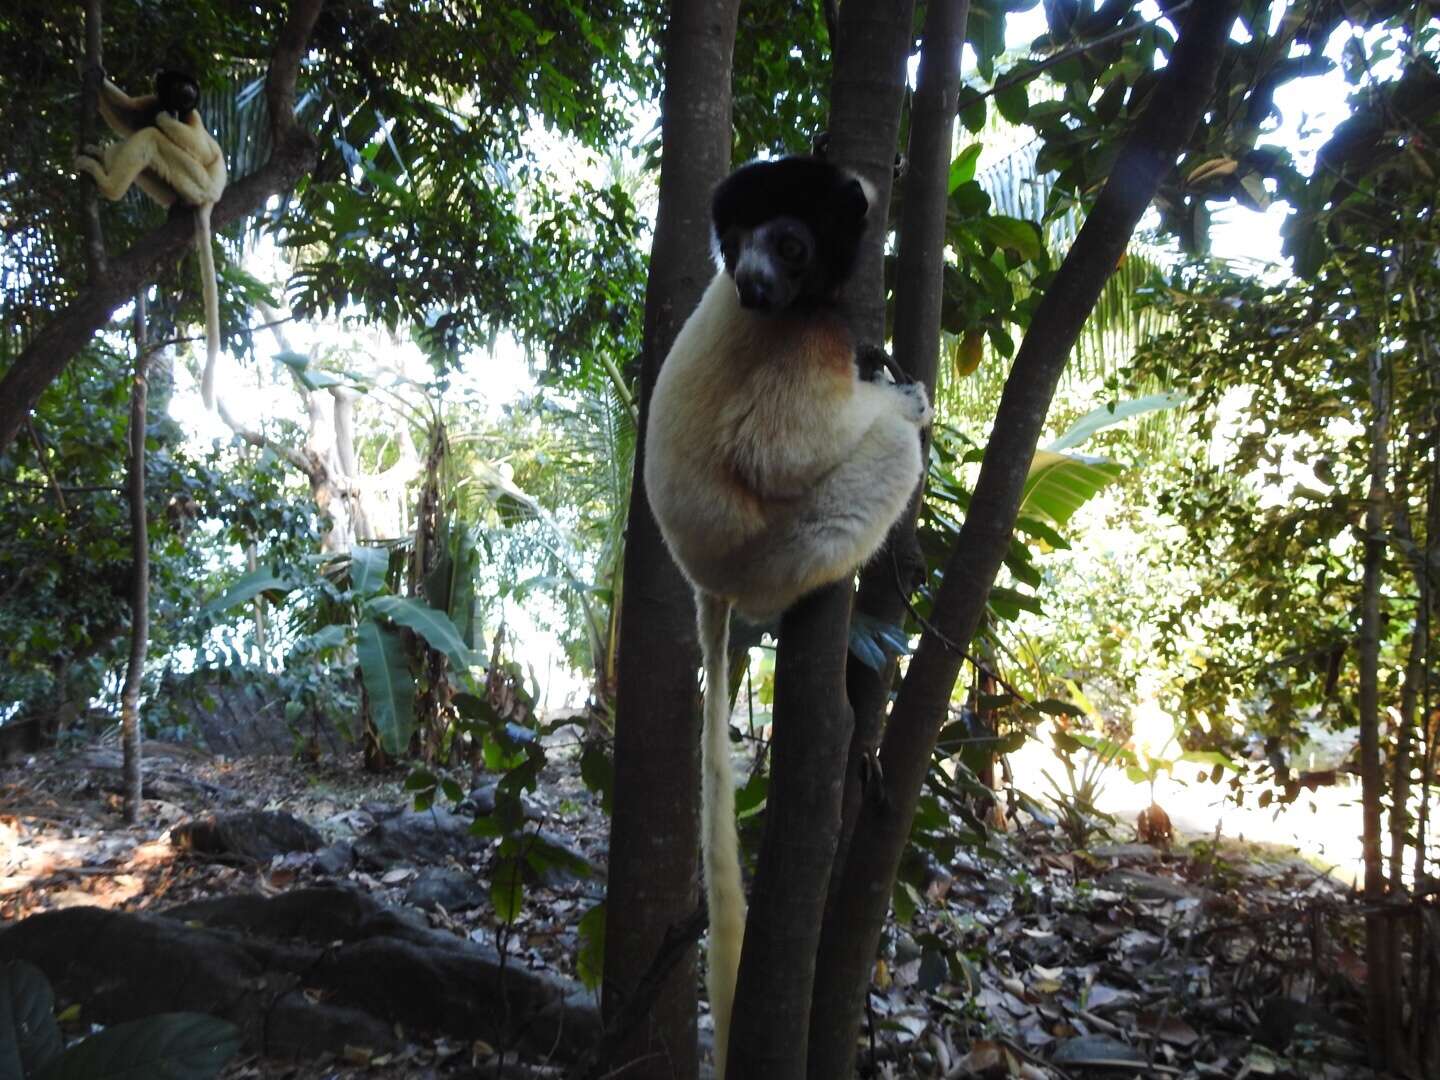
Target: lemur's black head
[(789, 231), (177, 93)]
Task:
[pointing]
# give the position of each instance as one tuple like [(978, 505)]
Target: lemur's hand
[(871, 360)]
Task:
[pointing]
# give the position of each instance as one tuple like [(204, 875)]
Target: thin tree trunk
[(918, 297), (655, 829), (852, 933), (1377, 926), (257, 606), (1425, 746), (91, 79), (140, 580), (812, 718)]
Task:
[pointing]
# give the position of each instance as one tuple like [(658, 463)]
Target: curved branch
[(292, 156), (297, 458)]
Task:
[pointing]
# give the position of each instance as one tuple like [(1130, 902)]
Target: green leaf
[(1014, 234), (1059, 484), (1056, 707), (432, 625), (1211, 757), (1106, 415), (507, 888), (170, 1046), (310, 378), (334, 636), (368, 566), (388, 684), (962, 169), (1013, 102), (590, 960), (29, 1036), (597, 769), (972, 109), (247, 587)]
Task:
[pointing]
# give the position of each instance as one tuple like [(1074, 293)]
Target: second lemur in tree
[(772, 467), (167, 153)]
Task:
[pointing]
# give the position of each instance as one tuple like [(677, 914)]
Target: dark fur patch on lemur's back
[(829, 200)]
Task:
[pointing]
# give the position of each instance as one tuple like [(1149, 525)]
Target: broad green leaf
[(962, 169), (367, 569), (597, 769), (1211, 757), (334, 636), (1106, 415), (170, 1046), (1013, 102), (247, 587), (388, 684), (1057, 707), (432, 625), (29, 1036), (310, 378), (507, 888), (1059, 484), (1016, 234), (590, 959)]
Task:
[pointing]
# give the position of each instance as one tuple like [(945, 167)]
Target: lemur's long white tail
[(212, 301), (723, 892)]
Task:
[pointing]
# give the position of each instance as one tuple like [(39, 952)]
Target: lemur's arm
[(124, 114)]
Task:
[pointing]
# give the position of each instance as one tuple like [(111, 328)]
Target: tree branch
[(264, 442), (292, 156)]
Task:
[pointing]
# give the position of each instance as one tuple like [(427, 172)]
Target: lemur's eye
[(792, 249)]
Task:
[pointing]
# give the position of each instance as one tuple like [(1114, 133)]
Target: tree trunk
[(91, 78), (1377, 926), (140, 573), (812, 718), (852, 932), (654, 833), (921, 266)]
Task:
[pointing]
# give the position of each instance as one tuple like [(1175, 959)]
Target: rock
[(249, 958), (1146, 886), (298, 1027), (454, 890), (482, 800), (415, 837), (1096, 1050), (336, 860), (250, 834), (1134, 852)]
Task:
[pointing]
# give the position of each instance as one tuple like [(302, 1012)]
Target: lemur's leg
[(122, 163)]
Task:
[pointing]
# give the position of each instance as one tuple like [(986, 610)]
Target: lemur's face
[(788, 232), (773, 264), (179, 94)]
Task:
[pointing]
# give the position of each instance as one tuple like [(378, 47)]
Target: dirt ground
[(1021, 957)]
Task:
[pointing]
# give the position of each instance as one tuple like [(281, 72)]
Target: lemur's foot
[(917, 404)]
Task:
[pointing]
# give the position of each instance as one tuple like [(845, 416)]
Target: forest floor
[(1026, 958)]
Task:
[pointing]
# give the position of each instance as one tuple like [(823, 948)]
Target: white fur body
[(173, 160), (772, 469), (770, 466)]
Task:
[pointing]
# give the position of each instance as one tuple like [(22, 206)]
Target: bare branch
[(264, 442)]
